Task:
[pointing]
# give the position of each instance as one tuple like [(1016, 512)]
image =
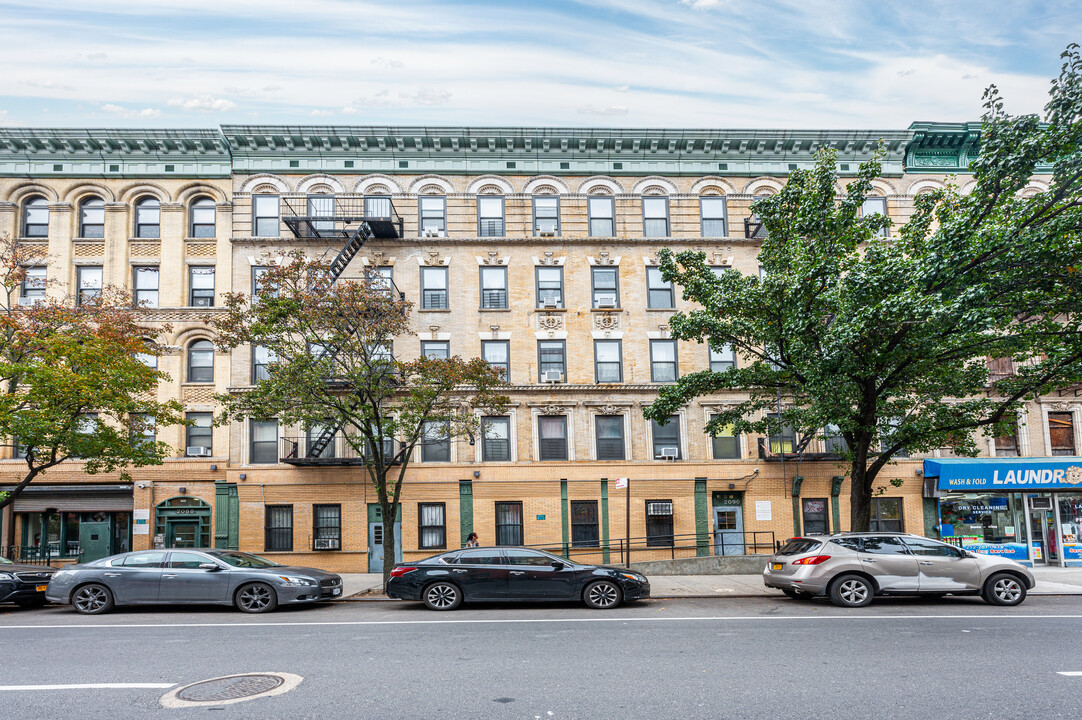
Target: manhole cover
[(229, 688)]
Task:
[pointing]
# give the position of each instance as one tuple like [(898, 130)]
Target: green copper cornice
[(946, 148)]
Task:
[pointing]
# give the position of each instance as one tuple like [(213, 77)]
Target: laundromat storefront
[(1026, 509)]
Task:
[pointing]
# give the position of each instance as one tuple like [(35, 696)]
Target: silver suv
[(850, 568)]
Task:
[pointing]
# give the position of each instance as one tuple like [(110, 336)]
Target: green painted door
[(94, 540), (182, 534)]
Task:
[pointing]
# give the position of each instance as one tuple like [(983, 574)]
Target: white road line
[(89, 686), (1071, 674), (716, 618)]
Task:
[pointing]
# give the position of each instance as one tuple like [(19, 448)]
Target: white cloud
[(387, 63), (609, 110), (130, 112), (431, 96), (203, 103), (322, 113), (46, 85), (700, 4), (622, 88)]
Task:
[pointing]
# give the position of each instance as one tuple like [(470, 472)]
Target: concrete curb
[(716, 596)]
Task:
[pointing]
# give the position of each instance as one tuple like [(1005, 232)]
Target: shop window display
[(1070, 518), (987, 523)]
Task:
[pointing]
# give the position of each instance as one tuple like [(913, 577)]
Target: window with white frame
[(32, 288), (659, 291), (490, 222), (875, 206), (663, 365), (655, 217), (493, 288), (602, 216)]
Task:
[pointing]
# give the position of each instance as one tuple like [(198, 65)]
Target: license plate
[(41, 588), (336, 591), (776, 566)]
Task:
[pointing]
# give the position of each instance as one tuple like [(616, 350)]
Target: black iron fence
[(36, 555), (665, 547)]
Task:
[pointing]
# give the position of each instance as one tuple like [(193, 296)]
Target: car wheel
[(1004, 589), (31, 603), (92, 599), (851, 591), (602, 595), (442, 596), (797, 594), (256, 598)]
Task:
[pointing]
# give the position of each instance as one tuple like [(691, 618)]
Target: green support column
[(797, 482), (465, 509), (226, 516), (565, 517), (702, 519), (835, 491), (605, 520)]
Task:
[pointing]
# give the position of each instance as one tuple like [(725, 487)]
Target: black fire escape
[(351, 222)]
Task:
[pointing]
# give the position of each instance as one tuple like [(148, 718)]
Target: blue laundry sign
[(1006, 474)]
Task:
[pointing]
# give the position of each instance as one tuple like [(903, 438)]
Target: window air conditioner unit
[(325, 544), (606, 301), (552, 376), (431, 232), (668, 453), (25, 301), (551, 302), (197, 451), (546, 233)]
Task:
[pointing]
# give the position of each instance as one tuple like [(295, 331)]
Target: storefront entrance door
[(181, 534), (729, 530), (94, 540), (1043, 531)]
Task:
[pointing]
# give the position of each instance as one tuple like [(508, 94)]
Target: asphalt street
[(692, 658)]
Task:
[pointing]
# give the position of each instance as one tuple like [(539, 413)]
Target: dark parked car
[(23, 585), (164, 577), (509, 574)]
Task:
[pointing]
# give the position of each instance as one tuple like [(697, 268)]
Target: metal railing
[(36, 554), (294, 450), (665, 547), (753, 228), (332, 216)]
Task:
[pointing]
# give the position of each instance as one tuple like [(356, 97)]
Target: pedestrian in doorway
[(471, 540)]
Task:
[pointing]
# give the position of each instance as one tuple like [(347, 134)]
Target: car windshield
[(799, 546), (244, 560)]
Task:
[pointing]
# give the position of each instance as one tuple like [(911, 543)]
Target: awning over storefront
[(1006, 474), (74, 498)]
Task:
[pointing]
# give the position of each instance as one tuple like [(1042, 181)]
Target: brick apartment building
[(533, 248)]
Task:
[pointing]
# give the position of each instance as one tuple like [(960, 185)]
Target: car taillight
[(400, 571), (813, 560)]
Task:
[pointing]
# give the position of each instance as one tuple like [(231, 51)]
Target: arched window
[(201, 362), (92, 218), (148, 218), (36, 217), (202, 217)]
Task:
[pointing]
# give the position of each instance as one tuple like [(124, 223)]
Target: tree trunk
[(390, 513), (860, 497)]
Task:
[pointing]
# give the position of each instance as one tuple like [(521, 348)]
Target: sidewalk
[(1050, 581)]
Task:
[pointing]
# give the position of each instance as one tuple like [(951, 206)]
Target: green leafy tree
[(333, 367), (72, 384), (886, 340)]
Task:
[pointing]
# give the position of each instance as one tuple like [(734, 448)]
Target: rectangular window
[(552, 432), (726, 443), (490, 216), (148, 218), (875, 206), (659, 291), (327, 527), (264, 448), (261, 358), (89, 280), (584, 526), (886, 515), (602, 216), (496, 439), (265, 216), (550, 287), (497, 353), (606, 286), (145, 283), (546, 216), (279, 529), (722, 359), (783, 442), (92, 219), (431, 526), (1061, 432), (32, 289), (509, 523), (655, 217), (1007, 445), (659, 523), (203, 218), (144, 430), (436, 445), (833, 440), (610, 437), (608, 365), (1000, 368), (315, 432), (434, 288), (258, 271), (712, 217), (200, 434), (201, 286), (436, 349), (377, 206), (663, 367), (494, 288), (433, 213), (552, 360), (814, 512), (666, 439), (321, 206)]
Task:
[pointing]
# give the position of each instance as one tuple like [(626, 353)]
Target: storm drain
[(231, 689)]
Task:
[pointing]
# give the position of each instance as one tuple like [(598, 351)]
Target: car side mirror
[(210, 566), (558, 565)]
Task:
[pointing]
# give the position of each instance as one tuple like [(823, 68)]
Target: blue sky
[(654, 63)]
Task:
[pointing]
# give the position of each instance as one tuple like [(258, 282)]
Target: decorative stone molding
[(719, 259), (378, 258), (257, 183), (713, 185), (144, 250), (489, 185), (654, 185), (607, 320), (196, 394), (762, 186), (201, 250), (443, 185), (377, 189), (603, 258), (546, 185), (550, 321), (432, 258), (493, 258), (549, 260), (600, 185), (316, 183), (85, 250)]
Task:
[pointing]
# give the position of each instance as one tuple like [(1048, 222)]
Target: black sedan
[(509, 574), (23, 585)]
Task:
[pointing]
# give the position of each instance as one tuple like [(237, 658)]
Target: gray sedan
[(165, 577)]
